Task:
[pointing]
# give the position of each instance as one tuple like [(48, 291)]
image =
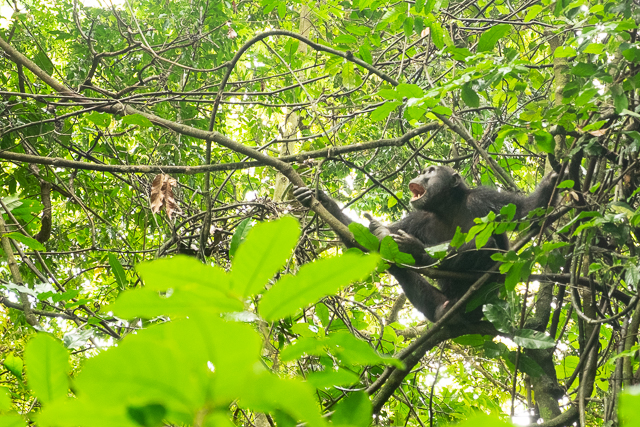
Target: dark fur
[(448, 203)]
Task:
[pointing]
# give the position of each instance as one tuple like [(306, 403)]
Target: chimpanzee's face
[(433, 187)]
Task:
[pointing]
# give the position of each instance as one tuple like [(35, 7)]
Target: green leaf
[(544, 141), (471, 340), (313, 281), (42, 60), (364, 236), (352, 351), (430, 6), (419, 5), (525, 364), (239, 235), (195, 363), (358, 30), (150, 415), (508, 212), (14, 364), (626, 112), (437, 35), (263, 253), (345, 39), (489, 39), (441, 109), (409, 90), (389, 248), (564, 52), (389, 94), (583, 69), (438, 251), (118, 271), (310, 345), (383, 111), (137, 119), (499, 317), (469, 96), (194, 287), (484, 421), (528, 338), (391, 202), (99, 119), (330, 378), (348, 75), (334, 64), (27, 241), (567, 183), (458, 239), (629, 407), (533, 12), (346, 347), (620, 102), (354, 410), (365, 54), (5, 400), (493, 350), (47, 367), (12, 420), (594, 48), (407, 26)]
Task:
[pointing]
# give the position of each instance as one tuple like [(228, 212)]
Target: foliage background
[(235, 101)]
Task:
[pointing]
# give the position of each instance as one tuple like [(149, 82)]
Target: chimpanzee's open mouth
[(417, 190)]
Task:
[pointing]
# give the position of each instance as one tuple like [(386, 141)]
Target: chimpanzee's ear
[(457, 180)]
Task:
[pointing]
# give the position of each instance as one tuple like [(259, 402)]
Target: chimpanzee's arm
[(304, 194), (541, 197)]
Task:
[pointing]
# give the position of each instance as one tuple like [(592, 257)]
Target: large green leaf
[(263, 253), (469, 96), (347, 348), (498, 316), (329, 378), (489, 38), (188, 286), (364, 236), (188, 367), (27, 241), (354, 410), (47, 363), (383, 111), (118, 271), (528, 338), (313, 281), (12, 420), (239, 235)]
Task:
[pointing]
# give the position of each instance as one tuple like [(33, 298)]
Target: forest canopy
[(156, 269)]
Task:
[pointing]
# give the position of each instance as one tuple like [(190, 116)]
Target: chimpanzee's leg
[(425, 297)]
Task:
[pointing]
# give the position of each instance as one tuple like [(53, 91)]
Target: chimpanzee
[(442, 201)]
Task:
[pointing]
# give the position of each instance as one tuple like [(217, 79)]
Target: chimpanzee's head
[(438, 188)]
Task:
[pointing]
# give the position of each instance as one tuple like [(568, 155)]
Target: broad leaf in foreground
[(263, 253), (314, 281)]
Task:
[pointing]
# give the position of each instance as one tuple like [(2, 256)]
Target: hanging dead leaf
[(231, 33), (599, 132), (162, 195), (170, 202), (157, 196)]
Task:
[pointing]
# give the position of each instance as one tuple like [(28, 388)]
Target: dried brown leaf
[(157, 195), (170, 202)]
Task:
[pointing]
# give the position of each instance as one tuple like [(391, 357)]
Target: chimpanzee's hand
[(377, 228), (303, 195), (409, 244)]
